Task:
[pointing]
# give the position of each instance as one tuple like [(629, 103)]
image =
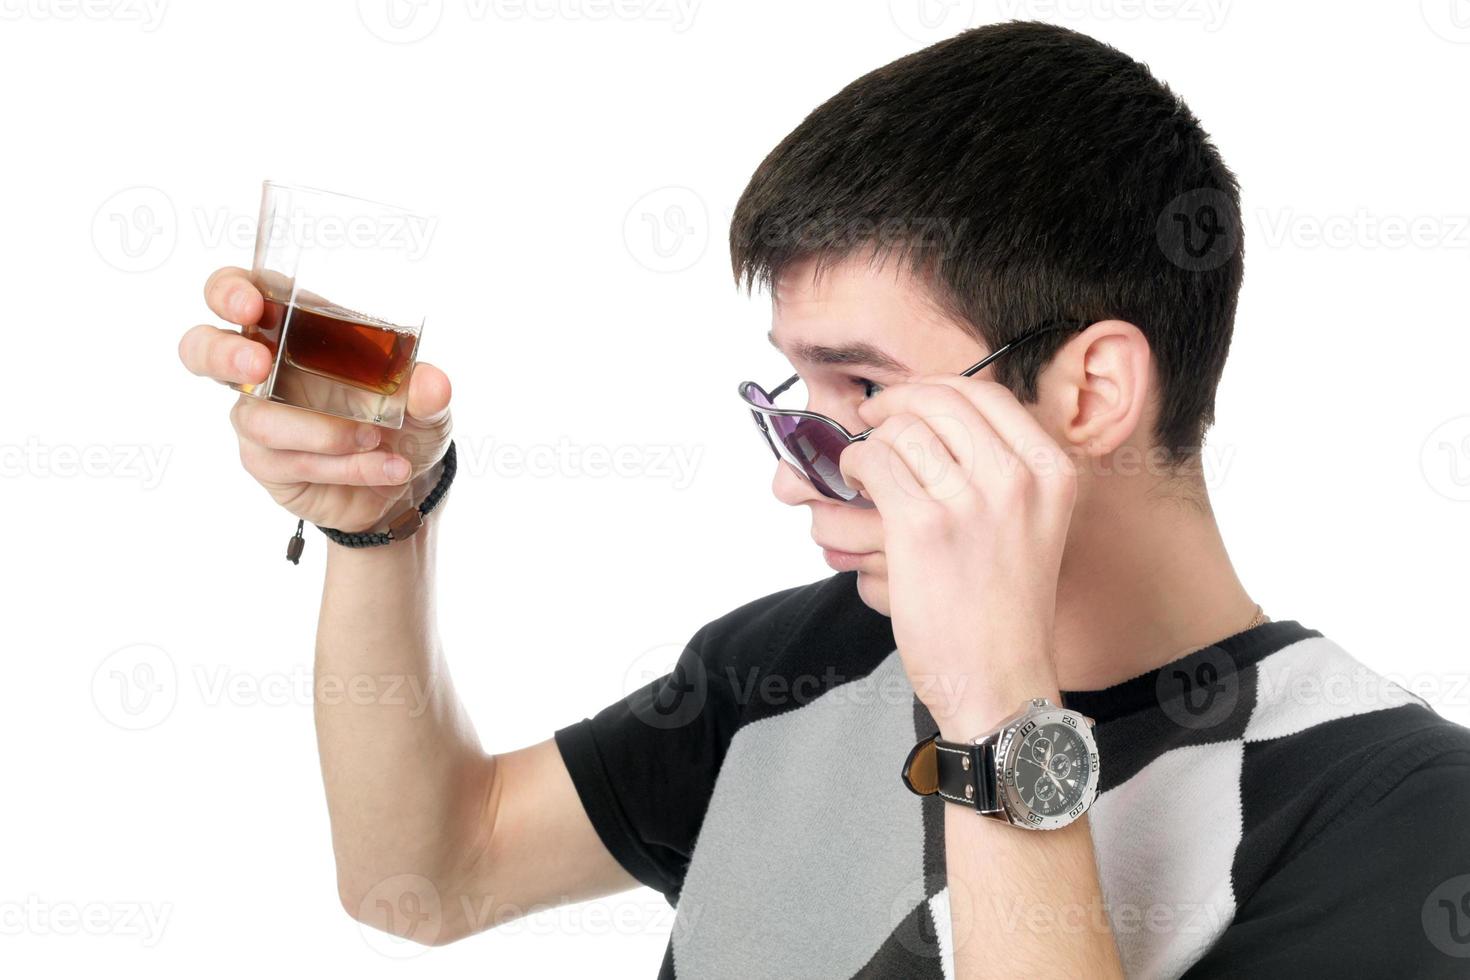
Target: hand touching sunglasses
[(812, 443)]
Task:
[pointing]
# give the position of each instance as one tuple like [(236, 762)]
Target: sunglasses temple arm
[(1017, 343), (869, 430), (783, 386), (988, 358), (993, 355)]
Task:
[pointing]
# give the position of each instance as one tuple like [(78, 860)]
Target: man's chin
[(873, 590)]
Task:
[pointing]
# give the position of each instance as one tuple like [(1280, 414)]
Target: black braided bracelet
[(402, 526)]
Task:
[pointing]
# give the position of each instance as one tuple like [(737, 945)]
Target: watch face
[(1050, 774)]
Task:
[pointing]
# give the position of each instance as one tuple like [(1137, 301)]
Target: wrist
[(406, 516), (982, 706), (408, 512), (410, 494), (417, 543), (420, 485)]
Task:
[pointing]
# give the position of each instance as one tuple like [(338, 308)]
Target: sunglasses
[(812, 443)]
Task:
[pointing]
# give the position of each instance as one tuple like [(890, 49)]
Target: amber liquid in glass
[(338, 343)]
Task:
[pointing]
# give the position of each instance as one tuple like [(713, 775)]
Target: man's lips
[(843, 561)]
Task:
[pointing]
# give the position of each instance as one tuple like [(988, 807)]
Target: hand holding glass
[(350, 356)]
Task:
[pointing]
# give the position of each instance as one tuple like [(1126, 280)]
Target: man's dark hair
[(1028, 173)]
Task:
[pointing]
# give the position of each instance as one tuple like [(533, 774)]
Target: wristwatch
[(1037, 769)]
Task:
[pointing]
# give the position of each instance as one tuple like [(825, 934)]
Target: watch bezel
[(1008, 746)]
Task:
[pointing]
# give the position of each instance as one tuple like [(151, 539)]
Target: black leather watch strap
[(961, 772)]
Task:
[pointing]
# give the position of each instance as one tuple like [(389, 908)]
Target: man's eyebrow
[(860, 352)]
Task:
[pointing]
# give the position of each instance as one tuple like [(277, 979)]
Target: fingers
[(871, 466), (273, 426), (224, 355), (232, 296), (1023, 435), (378, 468), (993, 425), (280, 444), (959, 440), (924, 461), (948, 412)]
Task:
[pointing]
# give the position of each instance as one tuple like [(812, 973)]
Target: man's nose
[(791, 488)]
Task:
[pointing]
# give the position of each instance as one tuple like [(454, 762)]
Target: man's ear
[(1099, 385)]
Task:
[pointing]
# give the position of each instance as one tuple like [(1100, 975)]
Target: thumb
[(425, 432), (428, 395)]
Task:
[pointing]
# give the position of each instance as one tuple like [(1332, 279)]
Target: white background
[(136, 138)]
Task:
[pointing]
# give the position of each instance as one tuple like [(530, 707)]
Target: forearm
[(1022, 902), (405, 777), (1025, 902)]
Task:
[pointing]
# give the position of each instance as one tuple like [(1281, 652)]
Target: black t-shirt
[(1267, 807)]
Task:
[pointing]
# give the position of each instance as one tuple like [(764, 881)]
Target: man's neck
[(1145, 580)]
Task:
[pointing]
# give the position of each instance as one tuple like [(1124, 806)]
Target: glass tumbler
[(342, 277)]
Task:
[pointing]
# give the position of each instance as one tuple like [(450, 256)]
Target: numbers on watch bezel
[(1007, 751)]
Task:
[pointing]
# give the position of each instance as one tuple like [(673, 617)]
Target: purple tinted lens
[(812, 446), (781, 425), (756, 395), (817, 448)]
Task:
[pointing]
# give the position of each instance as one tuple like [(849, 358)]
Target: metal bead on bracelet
[(402, 526)]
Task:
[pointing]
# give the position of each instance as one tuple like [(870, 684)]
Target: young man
[(1203, 792)]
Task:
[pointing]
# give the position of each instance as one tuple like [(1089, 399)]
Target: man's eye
[(870, 388)]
